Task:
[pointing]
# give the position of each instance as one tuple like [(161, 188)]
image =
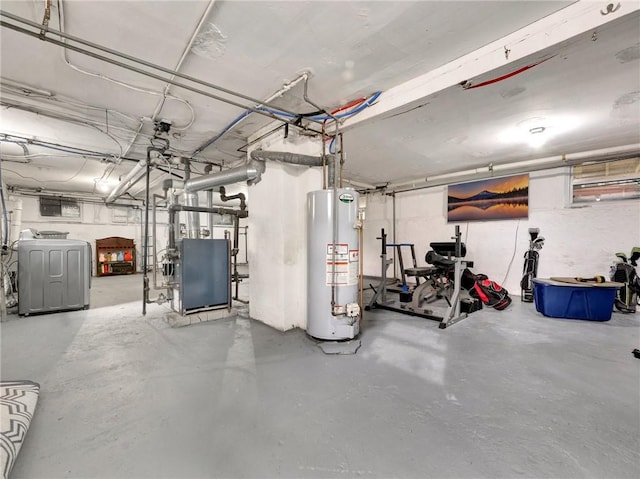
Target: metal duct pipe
[(155, 235), (130, 179), (298, 159), (250, 172), (191, 199), (207, 170), (193, 217), (287, 157), (331, 172)]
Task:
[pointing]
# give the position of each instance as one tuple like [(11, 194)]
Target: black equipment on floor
[(628, 296), (403, 276), (442, 280), (530, 268)]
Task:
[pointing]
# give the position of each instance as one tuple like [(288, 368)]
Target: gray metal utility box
[(204, 274), (53, 275)]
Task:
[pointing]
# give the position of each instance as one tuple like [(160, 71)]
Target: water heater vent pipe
[(297, 159), (250, 172)]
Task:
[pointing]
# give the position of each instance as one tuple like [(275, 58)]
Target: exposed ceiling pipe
[(131, 59), (239, 196), (47, 17), (117, 191), (186, 51), (250, 173), (297, 159), (285, 88), (286, 157), (130, 179), (559, 161), (134, 175)]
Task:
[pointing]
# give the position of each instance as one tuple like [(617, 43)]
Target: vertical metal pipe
[(191, 199), (236, 233), (207, 170), (360, 270), (331, 169), (383, 256), (324, 161), (226, 237), (210, 215), (335, 231), (155, 253), (193, 217), (153, 235), (341, 159), (393, 226), (145, 278), (172, 226)]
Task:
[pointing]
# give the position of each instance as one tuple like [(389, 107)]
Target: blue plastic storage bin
[(575, 301)]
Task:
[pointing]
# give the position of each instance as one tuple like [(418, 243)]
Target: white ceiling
[(585, 94)]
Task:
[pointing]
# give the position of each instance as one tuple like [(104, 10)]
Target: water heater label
[(337, 252), (341, 271), (346, 198), (342, 265)]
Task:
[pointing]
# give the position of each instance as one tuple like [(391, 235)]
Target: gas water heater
[(333, 259)]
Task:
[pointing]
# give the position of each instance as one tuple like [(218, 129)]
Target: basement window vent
[(59, 207), (606, 181), (125, 215), (222, 220)]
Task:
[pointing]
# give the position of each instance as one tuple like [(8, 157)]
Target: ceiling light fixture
[(103, 186), (538, 136)]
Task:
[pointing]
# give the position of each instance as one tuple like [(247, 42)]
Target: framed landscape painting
[(491, 199)]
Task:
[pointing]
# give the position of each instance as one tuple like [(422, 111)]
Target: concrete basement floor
[(500, 394)]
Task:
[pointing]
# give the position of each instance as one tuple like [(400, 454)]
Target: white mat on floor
[(18, 401)]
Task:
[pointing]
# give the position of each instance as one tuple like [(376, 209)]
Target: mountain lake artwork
[(491, 199)]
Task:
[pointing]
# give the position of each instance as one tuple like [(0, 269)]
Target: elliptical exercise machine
[(530, 268)]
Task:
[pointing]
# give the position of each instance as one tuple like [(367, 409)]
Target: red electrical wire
[(353, 104), (508, 75)]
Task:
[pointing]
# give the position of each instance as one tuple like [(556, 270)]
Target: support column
[(277, 237)]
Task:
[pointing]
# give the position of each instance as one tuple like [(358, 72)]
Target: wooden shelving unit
[(115, 255)]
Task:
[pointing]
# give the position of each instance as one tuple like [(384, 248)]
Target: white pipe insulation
[(569, 159), (128, 181)]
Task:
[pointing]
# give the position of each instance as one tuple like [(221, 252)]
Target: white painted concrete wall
[(278, 241), (99, 221), (580, 241), (96, 221)]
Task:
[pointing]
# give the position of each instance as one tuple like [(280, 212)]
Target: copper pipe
[(341, 159)]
